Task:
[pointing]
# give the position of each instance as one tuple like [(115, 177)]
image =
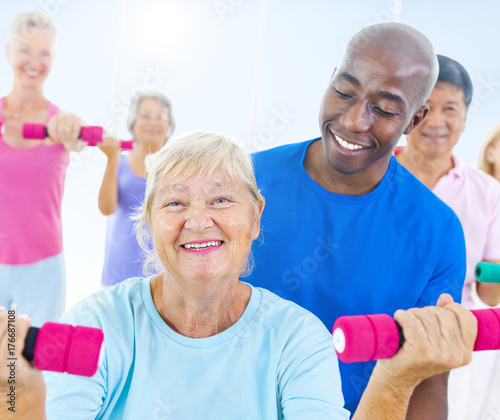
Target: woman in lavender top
[(151, 123)]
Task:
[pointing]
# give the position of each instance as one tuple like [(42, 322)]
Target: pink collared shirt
[(475, 198)]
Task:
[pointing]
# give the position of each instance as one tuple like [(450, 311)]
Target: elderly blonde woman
[(489, 157), (195, 342)]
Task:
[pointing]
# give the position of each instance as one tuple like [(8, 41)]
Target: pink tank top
[(31, 190)]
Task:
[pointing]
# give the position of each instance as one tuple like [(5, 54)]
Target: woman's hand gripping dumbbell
[(92, 135), (55, 347)]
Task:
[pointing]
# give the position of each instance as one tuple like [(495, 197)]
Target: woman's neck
[(143, 149), (199, 310), (22, 100)]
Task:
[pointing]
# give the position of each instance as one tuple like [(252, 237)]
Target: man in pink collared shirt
[(473, 195), (475, 198)]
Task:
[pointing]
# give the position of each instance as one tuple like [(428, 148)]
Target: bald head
[(404, 49)]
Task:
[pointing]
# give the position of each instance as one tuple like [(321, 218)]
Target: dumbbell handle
[(64, 348), (90, 134), (487, 272), (361, 338)]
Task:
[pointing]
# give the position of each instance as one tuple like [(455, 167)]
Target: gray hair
[(134, 105), (26, 26), (200, 154)]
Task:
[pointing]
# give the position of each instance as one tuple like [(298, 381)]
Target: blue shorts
[(38, 290)]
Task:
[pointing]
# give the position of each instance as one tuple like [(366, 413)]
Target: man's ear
[(417, 118)]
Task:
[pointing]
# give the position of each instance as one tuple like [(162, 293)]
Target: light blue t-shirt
[(276, 362)]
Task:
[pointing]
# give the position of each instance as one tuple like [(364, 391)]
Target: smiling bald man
[(346, 229)]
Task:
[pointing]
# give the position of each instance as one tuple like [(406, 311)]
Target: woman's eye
[(221, 200), (173, 204)]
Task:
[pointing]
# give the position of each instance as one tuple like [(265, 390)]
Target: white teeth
[(204, 245), (32, 73), (347, 145)]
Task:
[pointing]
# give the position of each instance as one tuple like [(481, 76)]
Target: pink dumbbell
[(362, 338), (64, 348), (90, 134)]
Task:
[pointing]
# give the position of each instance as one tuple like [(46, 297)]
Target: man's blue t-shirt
[(396, 247), (276, 362)]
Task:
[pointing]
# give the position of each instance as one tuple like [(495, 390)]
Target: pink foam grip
[(83, 353), (34, 131), (91, 134), (127, 144), (51, 344), (367, 337), (372, 337), (64, 348), (488, 329)]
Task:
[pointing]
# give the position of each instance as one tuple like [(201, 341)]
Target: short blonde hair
[(194, 154), (490, 140), (26, 25)]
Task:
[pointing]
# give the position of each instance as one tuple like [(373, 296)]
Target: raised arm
[(108, 194)]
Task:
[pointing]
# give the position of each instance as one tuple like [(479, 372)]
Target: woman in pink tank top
[(32, 173)]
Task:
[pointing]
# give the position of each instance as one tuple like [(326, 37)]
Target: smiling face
[(152, 122), (203, 227), (31, 59), (371, 101), (440, 130)]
